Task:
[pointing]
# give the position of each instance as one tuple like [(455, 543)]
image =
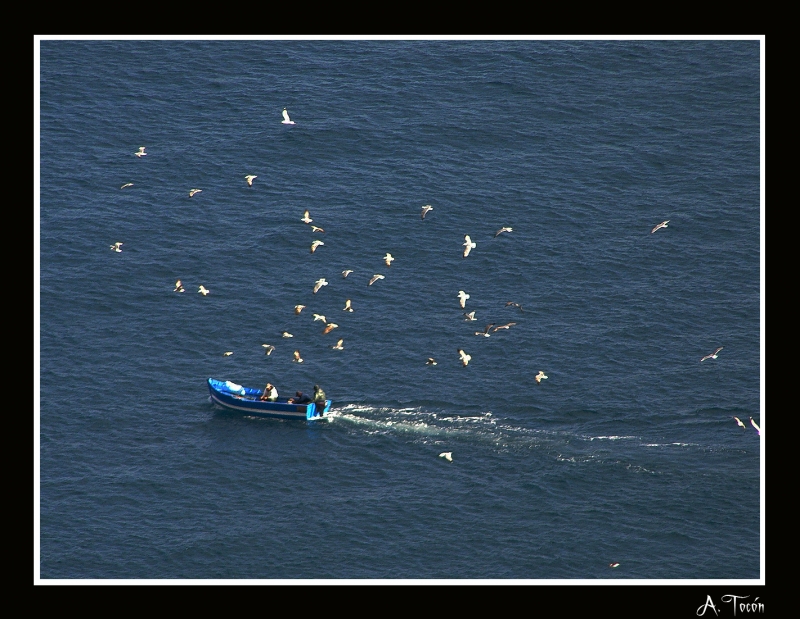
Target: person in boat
[(319, 399), (270, 393), (300, 398)]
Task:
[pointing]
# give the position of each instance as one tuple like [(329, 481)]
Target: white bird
[(501, 230), (117, 247), (126, 185), (613, 565), (426, 209), (346, 272), (286, 120), (315, 244), (713, 355), (250, 178), (374, 279), (178, 287), (227, 354), (388, 259), (485, 332), (297, 357), (338, 345), (194, 191), (462, 298), (320, 317), (203, 290), (430, 361), (269, 348), (306, 219), (317, 229), (140, 152), (755, 425), (447, 455), (347, 307), (329, 327), (508, 325), (739, 423), (464, 357), (319, 284), (540, 377), (468, 245), (470, 316), (286, 334), (299, 308), (663, 224)]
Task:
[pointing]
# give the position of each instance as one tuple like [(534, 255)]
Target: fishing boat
[(246, 400)]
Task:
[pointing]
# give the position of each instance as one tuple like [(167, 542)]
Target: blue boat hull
[(246, 400)]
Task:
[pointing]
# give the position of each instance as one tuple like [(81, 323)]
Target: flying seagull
[(317, 229), (203, 290), (194, 191), (739, 422), (470, 316), (319, 284), (374, 279), (426, 209), (508, 325), (713, 355), (178, 287), (430, 361), (286, 120), (346, 272), (514, 304), (140, 152), (306, 219), (468, 245), (663, 224), (501, 230), (447, 455), (126, 185), (347, 307), (299, 308), (462, 298), (316, 244), (755, 425), (297, 358), (268, 348), (464, 357), (540, 377), (329, 327), (613, 565), (388, 258), (250, 178), (286, 334), (338, 345), (117, 247), (227, 354), (485, 332), (320, 317)]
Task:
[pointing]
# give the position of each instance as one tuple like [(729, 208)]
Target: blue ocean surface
[(628, 452)]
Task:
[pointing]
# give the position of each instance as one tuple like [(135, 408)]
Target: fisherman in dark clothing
[(319, 399), (300, 398)]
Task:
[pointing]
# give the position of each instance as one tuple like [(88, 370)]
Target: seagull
[(514, 304), (470, 316), (501, 230), (755, 425), (315, 244), (425, 209), (317, 229), (329, 327), (126, 185), (286, 334), (306, 219), (346, 272), (178, 287), (505, 326), (447, 455), (194, 191), (613, 565), (269, 348), (462, 296), (713, 355), (297, 358), (299, 308), (203, 290), (286, 120), (388, 259), (464, 357), (347, 307), (320, 317), (117, 247), (319, 284), (485, 332), (430, 361), (663, 224), (140, 152), (250, 178), (540, 377), (374, 279), (468, 245), (227, 354), (338, 345), (739, 422)]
